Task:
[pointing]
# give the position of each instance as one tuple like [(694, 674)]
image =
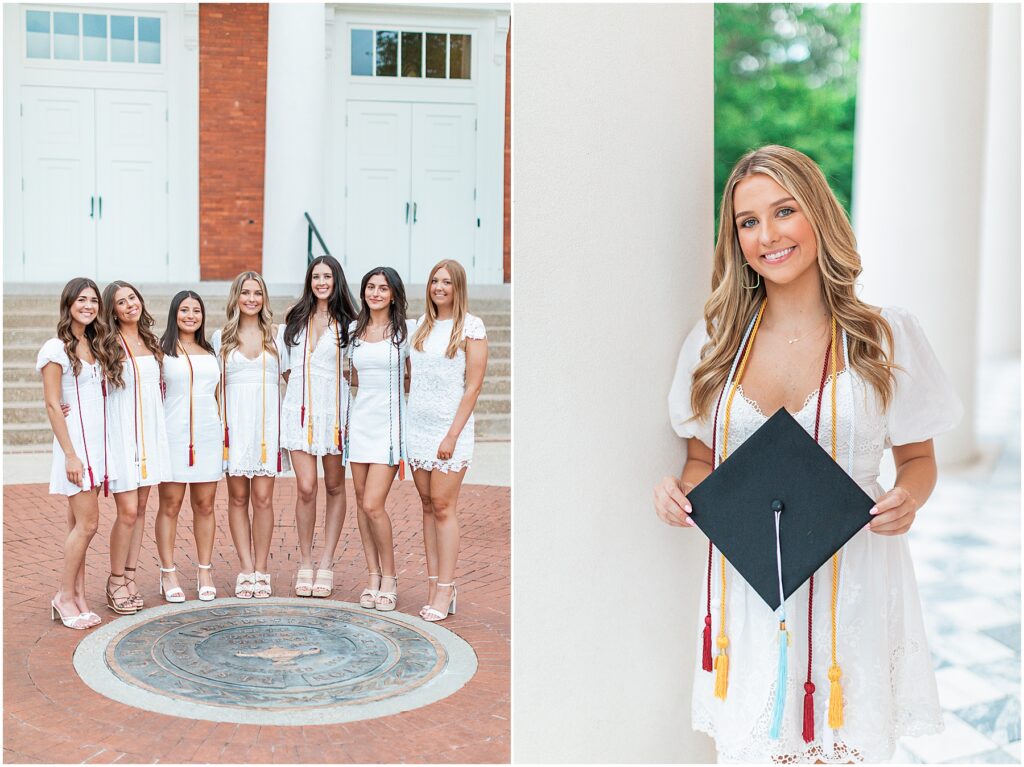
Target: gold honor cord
[(835, 693), (140, 419)]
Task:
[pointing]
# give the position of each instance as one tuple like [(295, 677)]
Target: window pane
[(94, 44), (412, 54), (460, 57), (65, 36), (387, 54), (149, 40), (37, 34), (122, 38), (362, 51), (436, 54)]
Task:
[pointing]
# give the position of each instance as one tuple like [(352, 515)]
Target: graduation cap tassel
[(706, 660), (835, 698), (722, 668), (808, 731)]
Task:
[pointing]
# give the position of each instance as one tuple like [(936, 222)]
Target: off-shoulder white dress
[(888, 680)]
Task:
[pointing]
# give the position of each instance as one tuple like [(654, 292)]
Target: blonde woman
[(139, 454), (251, 358), (448, 356), (860, 675)]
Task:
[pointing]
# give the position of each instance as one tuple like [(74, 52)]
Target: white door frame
[(177, 75), (489, 26)]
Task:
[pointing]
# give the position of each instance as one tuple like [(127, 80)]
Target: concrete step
[(27, 435), (493, 427)]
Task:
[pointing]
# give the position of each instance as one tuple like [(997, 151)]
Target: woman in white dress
[(252, 358), (375, 431), (138, 434), (783, 289), (448, 356), (316, 337), (194, 436), (73, 366)]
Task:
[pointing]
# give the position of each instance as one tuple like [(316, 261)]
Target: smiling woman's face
[(190, 315), (775, 236), (127, 306), (250, 300), (85, 307)]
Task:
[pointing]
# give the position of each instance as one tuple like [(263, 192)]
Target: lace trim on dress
[(442, 466)]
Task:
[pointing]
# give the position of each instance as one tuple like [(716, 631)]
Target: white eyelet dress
[(326, 388), (137, 428), (253, 410), (85, 421), (376, 430), (438, 385), (888, 681), (207, 429)]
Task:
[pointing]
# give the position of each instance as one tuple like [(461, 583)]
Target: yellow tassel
[(309, 432), (721, 668), (835, 698), (225, 452), (336, 435), (143, 468), (263, 452)]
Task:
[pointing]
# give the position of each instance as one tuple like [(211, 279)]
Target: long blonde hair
[(460, 303), (731, 305), (229, 333)]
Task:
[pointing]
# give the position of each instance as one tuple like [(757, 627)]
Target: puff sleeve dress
[(84, 421), (888, 681)]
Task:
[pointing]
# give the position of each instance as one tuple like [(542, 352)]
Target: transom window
[(112, 37), (411, 55)]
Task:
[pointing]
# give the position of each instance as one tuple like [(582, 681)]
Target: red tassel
[(227, 437), (106, 487), (278, 461), (191, 456), (707, 663), (92, 481), (808, 712), (401, 469), (302, 416)]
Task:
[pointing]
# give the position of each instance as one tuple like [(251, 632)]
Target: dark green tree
[(786, 73)]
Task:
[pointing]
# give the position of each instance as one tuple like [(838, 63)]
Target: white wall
[(613, 188)]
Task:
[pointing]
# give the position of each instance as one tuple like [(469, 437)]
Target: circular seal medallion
[(260, 662)]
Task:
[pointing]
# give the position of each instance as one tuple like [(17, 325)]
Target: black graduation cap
[(821, 507)]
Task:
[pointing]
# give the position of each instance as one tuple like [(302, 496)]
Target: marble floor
[(966, 548)]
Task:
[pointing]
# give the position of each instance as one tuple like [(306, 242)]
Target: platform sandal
[(174, 593), (122, 605), (137, 599), (244, 585), (304, 582), (261, 589), (387, 600), (205, 593), (324, 584), (368, 599)]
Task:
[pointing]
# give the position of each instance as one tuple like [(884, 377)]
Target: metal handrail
[(310, 231)]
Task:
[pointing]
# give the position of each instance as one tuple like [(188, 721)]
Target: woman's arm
[(51, 397), (670, 495), (916, 473), (476, 365)]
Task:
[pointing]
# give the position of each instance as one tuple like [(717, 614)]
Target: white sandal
[(387, 600), (433, 615), (206, 593), (424, 608), (244, 585), (368, 599), (261, 588), (173, 594)]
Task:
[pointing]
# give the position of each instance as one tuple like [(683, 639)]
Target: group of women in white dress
[(360, 387)]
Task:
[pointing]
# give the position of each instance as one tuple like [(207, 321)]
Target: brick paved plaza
[(51, 716)]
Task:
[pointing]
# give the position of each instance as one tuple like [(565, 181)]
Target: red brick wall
[(507, 258), (232, 126)]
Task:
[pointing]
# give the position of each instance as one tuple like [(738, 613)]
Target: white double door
[(94, 184), (411, 187)]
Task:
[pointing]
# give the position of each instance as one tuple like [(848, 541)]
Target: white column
[(294, 176), (999, 325), (918, 177), (613, 237)]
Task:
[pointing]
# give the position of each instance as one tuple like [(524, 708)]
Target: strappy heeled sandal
[(261, 587), (80, 622), (304, 582), (244, 585), (137, 599), (174, 593), (368, 599), (324, 584), (387, 600), (205, 593), (433, 615), (429, 579), (122, 605)]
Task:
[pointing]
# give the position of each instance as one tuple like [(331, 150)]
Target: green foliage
[(786, 73)]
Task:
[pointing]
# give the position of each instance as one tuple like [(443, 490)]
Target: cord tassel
[(278, 461), (191, 456), (401, 469), (707, 661), (780, 684), (144, 468), (106, 486), (92, 482), (302, 415), (808, 731), (722, 668), (835, 698), (263, 452), (337, 436), (309, 432)]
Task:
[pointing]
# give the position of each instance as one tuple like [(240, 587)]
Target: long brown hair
[(96, 332), (229, 333), (460, 303), (731, 306), (115, 350)]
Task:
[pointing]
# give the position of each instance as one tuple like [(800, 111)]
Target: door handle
[(407, 213), (414, 213), (101, 206), (92, 207)]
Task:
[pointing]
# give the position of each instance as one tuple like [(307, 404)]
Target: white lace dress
[(253, 410), (324, 364), (438, 384), (887, 676), (136, 428), (85, 423), (376, 425), (207, 430)]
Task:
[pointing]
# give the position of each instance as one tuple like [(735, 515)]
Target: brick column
[(232, 126)]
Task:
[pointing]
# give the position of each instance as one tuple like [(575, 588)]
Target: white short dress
[(137, 428), (376, 424), (253, 401), (888, 681), (85, 423), (324, 398), (438, 384), (207, 432)]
